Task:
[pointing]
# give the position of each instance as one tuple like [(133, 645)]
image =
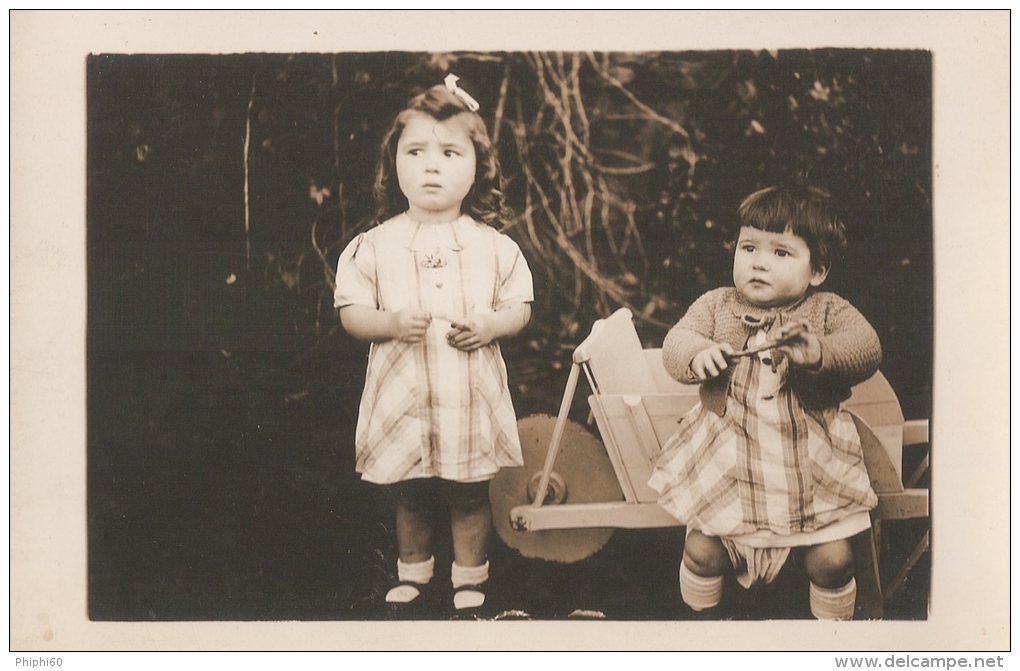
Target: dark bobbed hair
[(805, 211), (485, 201)]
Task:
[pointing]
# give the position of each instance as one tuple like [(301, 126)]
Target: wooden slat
[(666, 410), (614, 355), (875, 402), (627, 447), (870, 605), (617, 430), (593, 515), (915, 432), (905, 505), (642, 427), (874, 390), (918, 473), (878, 412), (901, 575), (884, 475), (613, 445)]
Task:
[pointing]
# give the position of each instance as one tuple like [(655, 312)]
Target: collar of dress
[(422, 237), (755, 318)]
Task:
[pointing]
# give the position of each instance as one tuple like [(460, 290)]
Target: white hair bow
[(451, 85)]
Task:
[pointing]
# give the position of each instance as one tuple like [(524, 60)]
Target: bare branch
[(497, 118), (247, 144), (687, 150)]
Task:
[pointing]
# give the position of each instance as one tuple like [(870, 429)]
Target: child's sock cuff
[(700, 592), (468, 575), (419, 572), (833, 603)]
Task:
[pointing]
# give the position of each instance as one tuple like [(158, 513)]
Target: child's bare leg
[(705, 555), (471, 525), (415, 526), (701, 571), (833, 591), (470, 521), (414, 532), (831, 564)]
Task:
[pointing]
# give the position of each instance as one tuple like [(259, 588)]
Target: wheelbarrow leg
[(870, 605)]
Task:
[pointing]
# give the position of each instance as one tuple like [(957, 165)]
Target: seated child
[(769, 462)]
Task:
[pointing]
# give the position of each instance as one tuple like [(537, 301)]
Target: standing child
[(769, 462), (433, 288)]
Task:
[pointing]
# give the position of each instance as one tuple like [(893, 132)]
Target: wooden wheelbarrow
[(593, 487)]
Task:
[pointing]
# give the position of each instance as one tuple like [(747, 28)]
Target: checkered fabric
[(429, 409), (767, 464)]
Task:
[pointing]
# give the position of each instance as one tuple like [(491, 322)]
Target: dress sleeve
[(689, 336), (515, 281), (356, 274)]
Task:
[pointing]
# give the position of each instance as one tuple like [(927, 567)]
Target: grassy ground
[(223, 488)]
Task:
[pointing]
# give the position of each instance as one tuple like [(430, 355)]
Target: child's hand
[(802, 348), (470, 333), (410, 325), (709, 363)]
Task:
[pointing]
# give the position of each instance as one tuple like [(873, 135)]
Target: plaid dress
[(768, 465), (428, 409)]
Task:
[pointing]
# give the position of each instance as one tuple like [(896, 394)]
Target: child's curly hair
[(485, 201), (805, 211)]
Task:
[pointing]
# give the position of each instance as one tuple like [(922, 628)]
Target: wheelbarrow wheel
[(582, 473)]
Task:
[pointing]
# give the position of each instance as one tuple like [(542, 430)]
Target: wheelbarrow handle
[(557, 436)]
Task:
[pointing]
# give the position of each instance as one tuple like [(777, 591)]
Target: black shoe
[(420, 607), (483, 611)]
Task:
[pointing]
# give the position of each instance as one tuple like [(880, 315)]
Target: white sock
[(420, 572), (699, 592), (468, 575), (834, 604)]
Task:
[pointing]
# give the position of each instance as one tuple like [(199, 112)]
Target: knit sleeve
[(851, 350), (689, 336)]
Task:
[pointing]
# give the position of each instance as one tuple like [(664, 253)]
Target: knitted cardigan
[(851, 351)]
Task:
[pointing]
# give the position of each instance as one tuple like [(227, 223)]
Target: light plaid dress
[(769, 470), (428, 409)]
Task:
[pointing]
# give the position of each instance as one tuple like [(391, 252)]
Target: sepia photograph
[(226, 478), (572, 332)]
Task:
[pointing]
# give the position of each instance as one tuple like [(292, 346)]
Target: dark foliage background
[(221, 391)]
